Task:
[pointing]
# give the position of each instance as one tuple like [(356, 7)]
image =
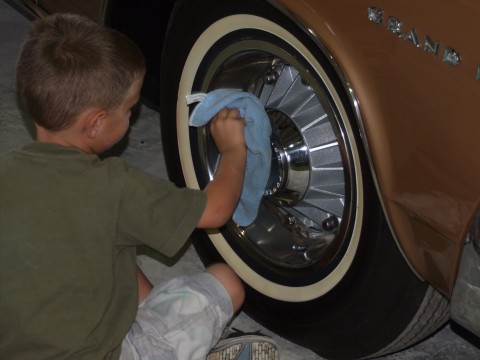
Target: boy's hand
[(227, 129), (224, 190)]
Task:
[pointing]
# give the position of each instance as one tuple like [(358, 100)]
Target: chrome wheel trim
[(209, 37)]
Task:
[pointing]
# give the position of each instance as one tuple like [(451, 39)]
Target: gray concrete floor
[(145, 151)]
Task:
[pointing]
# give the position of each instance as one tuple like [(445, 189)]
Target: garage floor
[(144, 149)]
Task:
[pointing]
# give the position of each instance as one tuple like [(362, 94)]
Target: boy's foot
[(238, 345)]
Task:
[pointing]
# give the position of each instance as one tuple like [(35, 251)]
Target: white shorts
[(182, 318)]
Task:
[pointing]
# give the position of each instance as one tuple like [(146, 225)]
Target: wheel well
[(352, 100), (145, 22)]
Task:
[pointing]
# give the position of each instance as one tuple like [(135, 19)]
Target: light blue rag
[(257, 138)]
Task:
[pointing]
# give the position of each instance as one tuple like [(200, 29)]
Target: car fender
[(418, 113)]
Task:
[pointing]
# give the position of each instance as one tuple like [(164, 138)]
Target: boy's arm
[(223, 192)]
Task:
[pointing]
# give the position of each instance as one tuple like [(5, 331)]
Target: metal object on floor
[(465, 304)]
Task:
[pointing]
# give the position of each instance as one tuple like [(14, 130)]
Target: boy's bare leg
[(144, 285), (231, 282), (222, 272)]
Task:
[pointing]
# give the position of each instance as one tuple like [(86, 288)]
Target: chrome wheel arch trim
[(355, 105)]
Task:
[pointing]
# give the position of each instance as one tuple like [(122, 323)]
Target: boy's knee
[(230, 281)]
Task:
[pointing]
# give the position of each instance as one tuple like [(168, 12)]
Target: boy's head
[(69, 64)]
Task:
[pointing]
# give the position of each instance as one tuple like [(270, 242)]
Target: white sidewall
[(197, 53)]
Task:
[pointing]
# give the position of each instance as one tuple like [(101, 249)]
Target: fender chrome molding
[(355, 106)]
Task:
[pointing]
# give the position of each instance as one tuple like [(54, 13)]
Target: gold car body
[(413, 71)]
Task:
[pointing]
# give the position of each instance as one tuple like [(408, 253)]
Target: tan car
[(374, 188)]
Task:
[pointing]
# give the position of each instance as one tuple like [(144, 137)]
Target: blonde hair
[(69, 63)]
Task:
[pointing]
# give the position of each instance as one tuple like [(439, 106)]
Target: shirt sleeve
[(156, 213)]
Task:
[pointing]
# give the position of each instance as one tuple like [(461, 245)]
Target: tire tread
[(432, 314)]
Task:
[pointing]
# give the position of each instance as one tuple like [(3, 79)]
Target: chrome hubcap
[(304, 203)]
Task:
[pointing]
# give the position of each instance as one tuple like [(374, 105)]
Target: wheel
[(320, 265)]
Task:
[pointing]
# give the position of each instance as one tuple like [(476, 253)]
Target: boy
[(69, 222)]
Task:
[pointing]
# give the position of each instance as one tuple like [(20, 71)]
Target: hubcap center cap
[(290, 169)]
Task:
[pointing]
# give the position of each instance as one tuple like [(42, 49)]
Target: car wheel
[(319, 263)]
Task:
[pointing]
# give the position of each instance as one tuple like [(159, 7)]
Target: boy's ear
[(93, 121)]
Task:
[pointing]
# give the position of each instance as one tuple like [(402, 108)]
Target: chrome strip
[(354, 102), (474, 234), (103, 9)]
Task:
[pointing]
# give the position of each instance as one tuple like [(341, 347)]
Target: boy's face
[(116, 124)]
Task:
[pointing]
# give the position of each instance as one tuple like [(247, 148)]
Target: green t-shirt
[(69, 224)]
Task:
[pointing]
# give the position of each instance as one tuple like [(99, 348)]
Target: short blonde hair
[(69, 63)]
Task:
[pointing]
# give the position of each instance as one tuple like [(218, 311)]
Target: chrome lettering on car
[(431, 46), (451, 57), (394, 25)]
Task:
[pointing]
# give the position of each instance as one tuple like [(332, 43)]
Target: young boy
[(70, 223)]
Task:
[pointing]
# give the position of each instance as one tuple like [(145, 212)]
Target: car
[(367, 238)]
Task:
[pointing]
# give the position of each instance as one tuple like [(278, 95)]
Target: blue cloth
[(257, 138)]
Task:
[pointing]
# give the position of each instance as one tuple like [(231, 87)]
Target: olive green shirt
[(69, 224)]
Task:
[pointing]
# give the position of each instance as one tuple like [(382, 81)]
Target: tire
[(319, 269)]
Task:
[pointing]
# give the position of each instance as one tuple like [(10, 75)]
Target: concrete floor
[(145, 151)]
